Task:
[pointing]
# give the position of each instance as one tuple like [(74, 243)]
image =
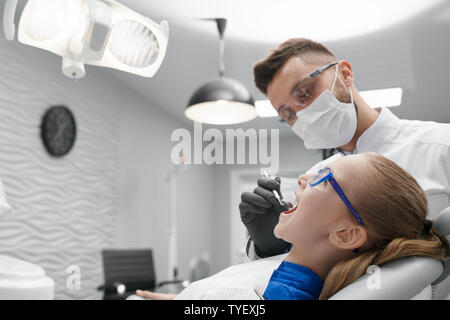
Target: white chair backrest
[(404, 278)]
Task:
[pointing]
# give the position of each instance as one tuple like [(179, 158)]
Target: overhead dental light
[(223, 100), (96, 32)]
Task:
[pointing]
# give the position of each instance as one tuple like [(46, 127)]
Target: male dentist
[(315, 94)]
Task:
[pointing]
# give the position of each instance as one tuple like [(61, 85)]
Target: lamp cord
[(221, 26), (221, 53)]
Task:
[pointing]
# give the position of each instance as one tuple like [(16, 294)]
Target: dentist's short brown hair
[(308, 50)]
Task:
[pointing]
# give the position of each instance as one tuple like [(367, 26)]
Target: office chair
[(405, 278), (126, 271)]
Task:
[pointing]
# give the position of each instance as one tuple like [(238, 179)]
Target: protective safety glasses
[(301, 94), (326, 175)]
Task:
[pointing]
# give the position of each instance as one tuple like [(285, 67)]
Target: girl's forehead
[(349, 161), (348, 167)]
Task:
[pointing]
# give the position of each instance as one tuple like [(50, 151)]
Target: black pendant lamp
[(223, 100)]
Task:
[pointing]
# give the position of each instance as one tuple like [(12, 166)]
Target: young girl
[(361, 210)]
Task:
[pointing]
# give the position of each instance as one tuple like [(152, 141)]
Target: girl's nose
[(303, 180)]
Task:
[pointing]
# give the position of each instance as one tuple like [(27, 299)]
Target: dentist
[(315, 94)]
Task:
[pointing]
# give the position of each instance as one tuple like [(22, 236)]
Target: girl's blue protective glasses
[(326, 174)]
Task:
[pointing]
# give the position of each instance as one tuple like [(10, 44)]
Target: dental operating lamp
[(96, 32)]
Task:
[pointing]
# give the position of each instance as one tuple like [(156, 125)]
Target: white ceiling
[(274, 21), (411, 53)]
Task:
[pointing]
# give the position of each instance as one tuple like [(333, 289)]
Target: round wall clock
[(58, 130)]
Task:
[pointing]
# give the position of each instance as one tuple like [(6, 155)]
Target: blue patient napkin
[(293, 282)]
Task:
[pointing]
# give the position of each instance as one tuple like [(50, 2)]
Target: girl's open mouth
[(290, 211)]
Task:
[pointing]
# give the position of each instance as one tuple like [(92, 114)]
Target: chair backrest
[(404, 278), (133, 268)]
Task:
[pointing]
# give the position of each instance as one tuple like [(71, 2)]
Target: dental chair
[(405, 278)]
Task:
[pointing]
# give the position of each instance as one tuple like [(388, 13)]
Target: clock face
[(58, 130)]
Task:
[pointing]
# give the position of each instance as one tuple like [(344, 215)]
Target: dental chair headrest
[(442, 223)]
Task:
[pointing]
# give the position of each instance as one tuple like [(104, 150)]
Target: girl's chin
[(280, 235), (277, 234), (280, 231)]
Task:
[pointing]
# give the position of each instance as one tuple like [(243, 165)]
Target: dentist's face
[(295, 70), (320, 209)]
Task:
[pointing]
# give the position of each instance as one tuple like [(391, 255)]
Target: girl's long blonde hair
[(394, 209)]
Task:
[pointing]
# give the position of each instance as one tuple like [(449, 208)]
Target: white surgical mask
[(5, 208), (326, 123)]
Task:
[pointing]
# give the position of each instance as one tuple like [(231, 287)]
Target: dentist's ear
[(349, 237), (346, 72)]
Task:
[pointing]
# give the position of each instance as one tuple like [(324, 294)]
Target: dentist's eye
[(305, 97), (302, 96)]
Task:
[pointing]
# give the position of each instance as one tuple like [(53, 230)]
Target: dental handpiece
[(275, 192)]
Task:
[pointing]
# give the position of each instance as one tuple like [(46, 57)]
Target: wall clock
[(58, 130)]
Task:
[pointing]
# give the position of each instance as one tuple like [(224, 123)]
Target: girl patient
[(361, 210)]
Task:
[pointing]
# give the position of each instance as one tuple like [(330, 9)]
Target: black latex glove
[(260, 211)]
